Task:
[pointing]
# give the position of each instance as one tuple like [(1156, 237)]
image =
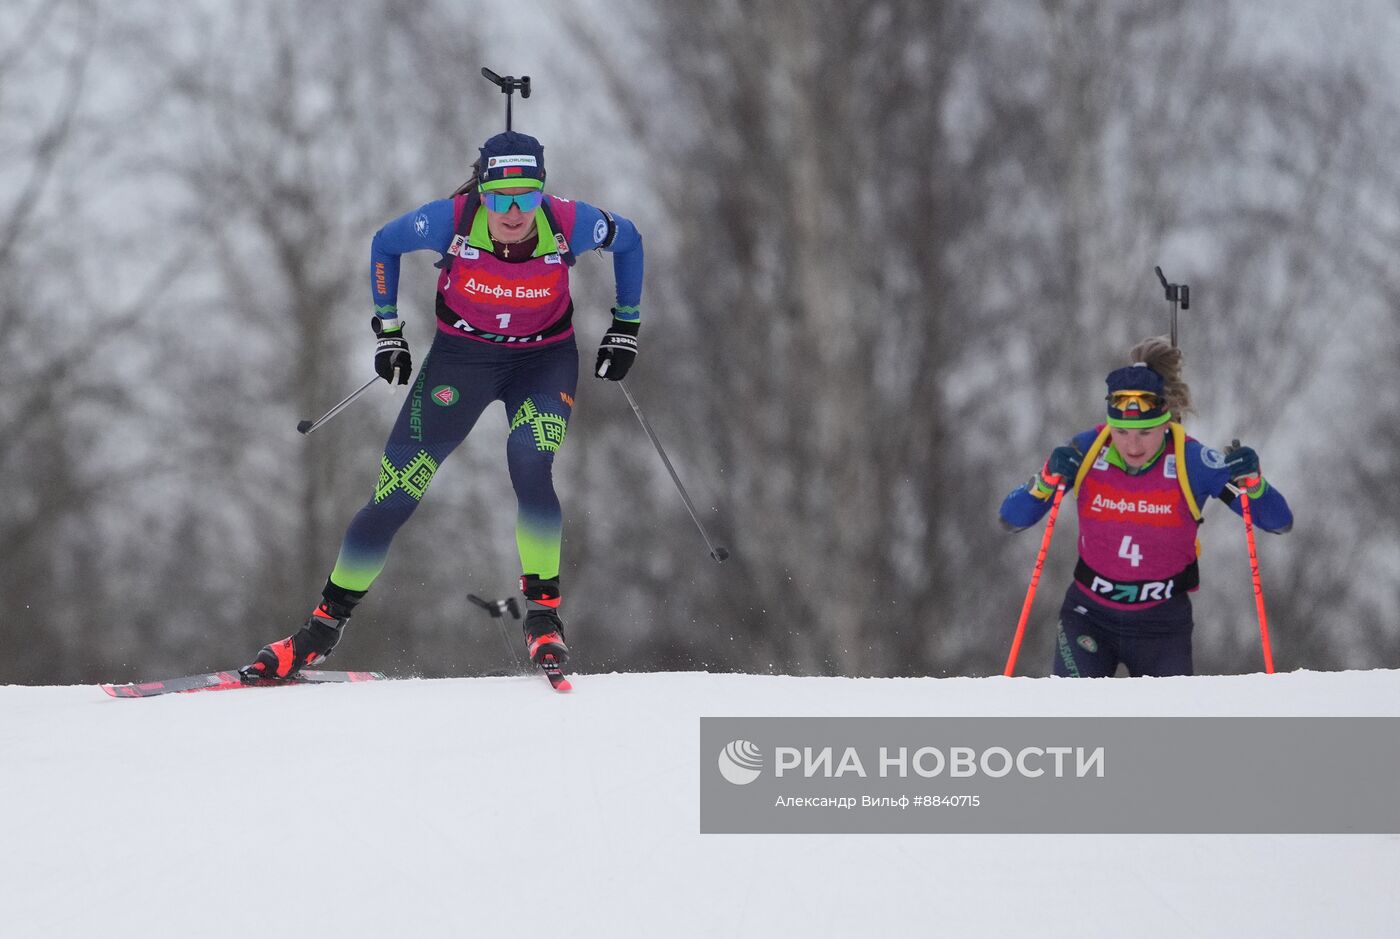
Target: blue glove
[(1064, 461), (1242, 462), (1063, 466)]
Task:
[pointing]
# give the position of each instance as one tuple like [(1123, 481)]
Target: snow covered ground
[(493, 807)]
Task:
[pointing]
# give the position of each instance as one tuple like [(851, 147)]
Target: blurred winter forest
[(892, 250)]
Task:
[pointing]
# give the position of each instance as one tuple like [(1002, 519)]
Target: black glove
[(617, 350), (1242, 462), (391, 359)]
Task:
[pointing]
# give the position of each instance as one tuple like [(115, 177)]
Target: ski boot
[(309, 645), (544, 633)]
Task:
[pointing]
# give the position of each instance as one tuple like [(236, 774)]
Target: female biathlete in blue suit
[(1140, 485), (504, 333)]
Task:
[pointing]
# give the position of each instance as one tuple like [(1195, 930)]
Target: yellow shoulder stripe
[(1089, 458), (1179, 445)]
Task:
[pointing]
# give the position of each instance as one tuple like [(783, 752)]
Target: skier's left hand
[(1242, 462), (618, 350)]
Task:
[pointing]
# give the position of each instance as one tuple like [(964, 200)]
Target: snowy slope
[(494, 807)]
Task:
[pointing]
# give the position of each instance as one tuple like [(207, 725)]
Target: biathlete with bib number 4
[(504, 333), (1140, 484)]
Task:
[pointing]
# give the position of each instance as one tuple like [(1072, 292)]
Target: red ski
[(557, 679), (224, 681)]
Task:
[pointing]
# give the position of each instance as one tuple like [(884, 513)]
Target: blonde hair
[(1165, 359)]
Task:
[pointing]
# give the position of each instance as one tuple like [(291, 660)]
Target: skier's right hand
[(1063, 466), (392, 361)]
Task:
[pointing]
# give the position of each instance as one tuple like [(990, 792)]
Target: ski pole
[(498, 609), (1035, 580), (716, 552), (1254, 571), (307, 427)]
